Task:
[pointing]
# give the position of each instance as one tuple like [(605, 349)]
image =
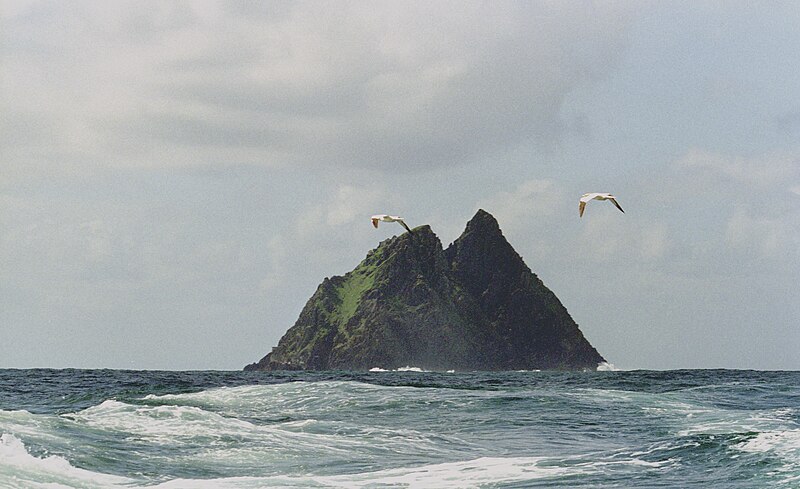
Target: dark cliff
[(474, 306)]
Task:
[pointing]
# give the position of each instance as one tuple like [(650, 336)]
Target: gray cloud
[(346, 84)]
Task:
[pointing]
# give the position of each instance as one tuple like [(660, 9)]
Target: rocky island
[(473, 306)]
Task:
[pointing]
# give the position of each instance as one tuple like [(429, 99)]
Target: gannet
[(388, 218), (597, 196)]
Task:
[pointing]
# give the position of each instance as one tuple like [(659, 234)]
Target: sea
[(397, 429)]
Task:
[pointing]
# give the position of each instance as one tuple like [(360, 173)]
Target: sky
[(176, 178)]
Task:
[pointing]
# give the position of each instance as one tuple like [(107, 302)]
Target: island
[(473, 306)]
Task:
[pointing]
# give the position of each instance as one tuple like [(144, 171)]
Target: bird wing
[(581, 207), (375, 222), (403, 223), (589, 196), (614, 201)]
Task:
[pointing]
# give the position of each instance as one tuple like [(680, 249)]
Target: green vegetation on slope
[(351, 291), (348, 292)]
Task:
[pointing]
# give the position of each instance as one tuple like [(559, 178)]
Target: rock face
[(474, 306)]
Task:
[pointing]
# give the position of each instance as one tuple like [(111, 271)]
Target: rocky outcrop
[(474, 306)]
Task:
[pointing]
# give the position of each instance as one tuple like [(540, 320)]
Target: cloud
[(535, 216), (375, 85), (347, 203), (277, 250), (328, 235), (353, 202), (606, 237), (712, 214), (763, 237), (788, 122), (777, 168), (530, 200)]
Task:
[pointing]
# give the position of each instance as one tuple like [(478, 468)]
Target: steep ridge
[(475, 306), (529, 325)]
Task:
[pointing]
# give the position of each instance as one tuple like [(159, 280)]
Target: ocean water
[(638, 429)]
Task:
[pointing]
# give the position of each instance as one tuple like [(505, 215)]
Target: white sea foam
[(209, 439), (607, 367), (785, 443), (410, 369), (407, 368), (449, 475), (43, 428), (470, 473), (20, 469), (178, 425), (719, 421), (473, 473), (285, 401), (159, 424)]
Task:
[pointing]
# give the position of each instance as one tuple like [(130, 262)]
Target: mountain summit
[(474, 306)]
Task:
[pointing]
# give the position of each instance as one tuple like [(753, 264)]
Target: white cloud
[(608, 237), (654, 241), (347, 204), (329, 236), (529, 201), (748, 196), (535, 214), (763, 237), (353, 202), (390, 86), (777, 168), (277, 250)]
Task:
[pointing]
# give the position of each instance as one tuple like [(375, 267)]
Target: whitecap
[(410, 369), (448, 475), (607, 367), (719, 421), (407, 368), (785, 443), (479, 472), (21, 469)]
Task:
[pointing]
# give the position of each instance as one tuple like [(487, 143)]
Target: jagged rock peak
[(421, 236), (482, 221), (483, 234), (482, 242), (415, 249)]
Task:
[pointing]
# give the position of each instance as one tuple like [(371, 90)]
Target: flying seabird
[(388, 218), (597, 196)]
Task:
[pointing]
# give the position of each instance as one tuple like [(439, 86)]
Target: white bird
[(388, 218), (597, 196)]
